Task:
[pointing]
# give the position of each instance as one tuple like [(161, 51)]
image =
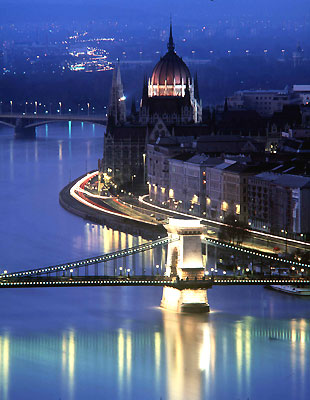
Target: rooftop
[(292, 181)]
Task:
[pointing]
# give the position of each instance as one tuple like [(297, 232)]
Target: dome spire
[(170, 43)]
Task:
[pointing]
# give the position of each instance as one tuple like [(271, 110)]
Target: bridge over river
[(180, 269), (24, 124)]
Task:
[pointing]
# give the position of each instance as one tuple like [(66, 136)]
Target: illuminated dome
[(171, 69), (170, 75)]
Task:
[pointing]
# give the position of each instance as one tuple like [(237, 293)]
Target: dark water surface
[(115, 343)]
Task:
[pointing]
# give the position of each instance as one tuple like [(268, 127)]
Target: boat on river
[(298, 290)]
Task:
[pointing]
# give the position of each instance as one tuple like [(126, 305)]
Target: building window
[(195, 199), (224, 206)]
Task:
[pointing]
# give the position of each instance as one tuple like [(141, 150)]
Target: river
[(115, 343)]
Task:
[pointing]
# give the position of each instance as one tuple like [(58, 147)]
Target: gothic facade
[(170, 100)]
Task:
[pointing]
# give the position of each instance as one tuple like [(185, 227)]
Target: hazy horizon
[(181, 10)]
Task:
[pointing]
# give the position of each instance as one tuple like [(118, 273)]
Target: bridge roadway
[(142, 280), (25, 124), (54, 117), (141, 248)]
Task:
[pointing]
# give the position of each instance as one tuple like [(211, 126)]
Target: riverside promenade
[(134, 214)]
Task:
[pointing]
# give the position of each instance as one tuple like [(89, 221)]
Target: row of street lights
[(124, 270), (37, 104)]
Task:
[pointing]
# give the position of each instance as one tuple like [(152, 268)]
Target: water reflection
[(4, 366), (184, 357), (68, 361), (119, 347), (187, 343), (194, 346), (60, 150)]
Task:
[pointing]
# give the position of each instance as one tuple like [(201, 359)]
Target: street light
[(285, 233), (71, 271), (36, 107), (26, 107), (60, 106), (132, 178), (120, 271), (88, 108), (128, 272), (11, 104), (157, 269)]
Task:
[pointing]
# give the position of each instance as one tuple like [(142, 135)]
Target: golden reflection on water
[(186, 358), (157, 351), (124, 351), (128, 358), (205, 349), (192, 346), (121, 347), (68, 361), (4, 366), (111, 240), (188, 353)]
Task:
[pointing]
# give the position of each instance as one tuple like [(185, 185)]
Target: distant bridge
[(24, 124)]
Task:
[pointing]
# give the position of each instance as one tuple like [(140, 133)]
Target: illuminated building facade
[(171, 94), (170, 106)]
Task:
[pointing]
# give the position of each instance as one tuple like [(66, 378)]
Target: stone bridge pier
[(185, 262), (23, 131)]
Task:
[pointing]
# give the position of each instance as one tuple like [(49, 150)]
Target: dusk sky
[(275, 9)]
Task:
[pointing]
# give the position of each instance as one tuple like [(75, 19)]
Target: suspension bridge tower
[(185, 263)]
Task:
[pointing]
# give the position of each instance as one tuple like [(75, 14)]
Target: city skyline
[(155, 177)]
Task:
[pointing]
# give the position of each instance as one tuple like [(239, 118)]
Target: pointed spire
[(114, 78), (145, 89), (170, 43), (133, 107), (117, 80), (117, 105), (118, 75), (226, 105)]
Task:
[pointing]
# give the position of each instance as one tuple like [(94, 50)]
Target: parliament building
[(170, 106)]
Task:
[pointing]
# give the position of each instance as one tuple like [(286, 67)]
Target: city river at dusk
[(115, 342)]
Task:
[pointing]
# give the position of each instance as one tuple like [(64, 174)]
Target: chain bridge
[(180, 270)]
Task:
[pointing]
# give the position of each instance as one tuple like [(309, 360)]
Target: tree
[(234, 231)]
